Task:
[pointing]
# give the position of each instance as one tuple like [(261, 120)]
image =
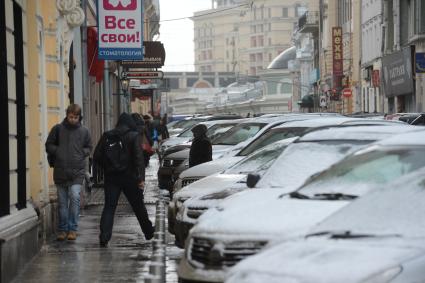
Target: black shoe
[(150, 235), (103, 244)]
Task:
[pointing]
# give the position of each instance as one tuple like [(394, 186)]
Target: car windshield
[(218, 129), (258, 162), (300, 160), (239, 133), (270, 137), (186, 133), (356, 174)]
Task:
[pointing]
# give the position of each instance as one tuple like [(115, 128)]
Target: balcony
[(309, 22)]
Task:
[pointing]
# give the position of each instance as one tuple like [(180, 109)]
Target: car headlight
[(385, 276)]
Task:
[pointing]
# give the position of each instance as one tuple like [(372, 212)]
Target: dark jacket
[(163, 132), (132, 139), (201, 149), (70, 148)]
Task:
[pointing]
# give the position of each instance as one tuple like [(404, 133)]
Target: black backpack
[(116, 154)]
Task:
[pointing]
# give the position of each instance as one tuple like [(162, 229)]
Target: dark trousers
[(134, 196)]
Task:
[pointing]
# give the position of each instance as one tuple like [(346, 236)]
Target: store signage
[(154, 56), (337, 51), (420, 62), (376, 80), (397, 73), (120, 34), (143, 75)]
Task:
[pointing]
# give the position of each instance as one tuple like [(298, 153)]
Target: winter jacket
[(201, 149), (133, 140), (71, 148)]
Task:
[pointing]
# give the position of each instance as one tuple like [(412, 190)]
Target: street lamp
[(125, 82), (124, 85)]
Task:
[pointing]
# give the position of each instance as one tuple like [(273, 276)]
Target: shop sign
[(120, 34), (337, 51), (397, 73)]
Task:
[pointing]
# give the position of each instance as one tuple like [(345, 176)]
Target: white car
[(246, 221), (291, 125), (379, 238), (234, 179)]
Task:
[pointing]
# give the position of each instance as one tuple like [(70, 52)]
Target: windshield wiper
[(334, 196), (298, 195)]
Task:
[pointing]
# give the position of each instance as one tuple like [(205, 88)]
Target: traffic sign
[(143, 74), (346, 92), (323, 101)]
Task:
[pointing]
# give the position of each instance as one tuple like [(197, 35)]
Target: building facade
[(236, 36)]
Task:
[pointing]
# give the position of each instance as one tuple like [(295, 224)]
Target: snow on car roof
[(411, 138), (394, 209), (373, 132), (318, 122)]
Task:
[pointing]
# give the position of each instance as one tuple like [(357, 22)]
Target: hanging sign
[(120, 34)]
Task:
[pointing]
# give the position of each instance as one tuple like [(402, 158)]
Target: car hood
[(208, 168), (182, 154), (262, 213), (325, 260), (211, 184), (220, 150), (175, 141)]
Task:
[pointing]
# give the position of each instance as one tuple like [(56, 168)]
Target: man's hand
[(142, 185)]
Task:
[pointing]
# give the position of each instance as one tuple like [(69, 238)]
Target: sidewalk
[(84, 260)]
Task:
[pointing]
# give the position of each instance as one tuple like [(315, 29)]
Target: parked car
[(377, 238), (245, 222), (176, 162), (258, 162), (199, 196)]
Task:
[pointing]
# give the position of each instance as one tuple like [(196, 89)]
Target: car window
[(186, 133), (270, 137), (218, 129), (258, 162), (239, 133), (356, 173)]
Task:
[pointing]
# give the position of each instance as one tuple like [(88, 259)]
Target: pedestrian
[(149, 131), (68, 145), (119, 153), (162, 129), (201, 149), (146, 143)]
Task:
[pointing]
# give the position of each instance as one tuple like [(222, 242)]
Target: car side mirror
[(252, 180)]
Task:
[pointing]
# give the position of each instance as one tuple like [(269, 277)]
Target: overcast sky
[(177, 36)]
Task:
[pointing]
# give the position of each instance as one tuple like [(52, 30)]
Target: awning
[(95, 66)]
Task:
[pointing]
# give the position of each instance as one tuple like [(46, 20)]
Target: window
[(259, 57), (260, 40), (253, 42), (284, 12), (251, 57), (253, 29)]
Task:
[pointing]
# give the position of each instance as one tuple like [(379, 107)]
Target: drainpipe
[(85, 75), (106, 98)]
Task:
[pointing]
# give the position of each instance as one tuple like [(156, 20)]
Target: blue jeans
[(69, 207)]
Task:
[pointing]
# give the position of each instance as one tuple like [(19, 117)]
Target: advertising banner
[(397, 73), (420, 62), (337, 51), (120, 34)]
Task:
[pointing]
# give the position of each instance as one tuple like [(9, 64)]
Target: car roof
[(372, 132), (215, 122), (411, 138)]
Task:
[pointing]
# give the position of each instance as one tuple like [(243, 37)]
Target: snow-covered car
[(171, 148), (292, 125), (257, 162), (174, 163), (245, 222), (379, 238)]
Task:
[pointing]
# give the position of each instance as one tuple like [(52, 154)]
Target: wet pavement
[(124, 260)]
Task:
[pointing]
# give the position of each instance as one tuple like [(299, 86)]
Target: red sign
[(376, 80), (337, 51), (346, 92)]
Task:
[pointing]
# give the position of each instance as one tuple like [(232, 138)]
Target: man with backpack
[(67, 146), (120, 154)]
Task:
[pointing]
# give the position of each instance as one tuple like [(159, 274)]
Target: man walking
[(119, 153), (69, 144)]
